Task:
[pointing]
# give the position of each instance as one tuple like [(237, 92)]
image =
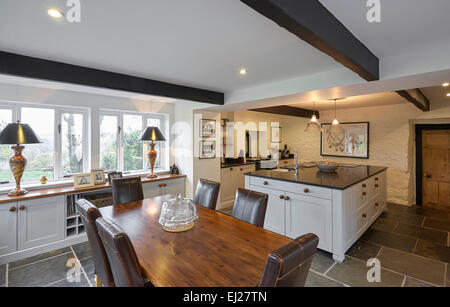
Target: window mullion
[(120, 163), (58, 147)]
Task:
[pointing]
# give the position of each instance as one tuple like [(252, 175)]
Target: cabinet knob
[(231, 169), (21, 207), (364, 215), (12, 209), (364, 193), (281, 196), (306, 190), (376, 185), (165, 184), (364, 185), (376, 178), (287, 198), (160, 185), (265, 183), (242, 169), (376, 204)]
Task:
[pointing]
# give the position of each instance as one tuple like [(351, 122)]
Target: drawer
[(362, 218), (291, 187), (362, 193)]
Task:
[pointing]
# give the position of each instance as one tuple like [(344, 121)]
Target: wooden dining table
[(218, 251)]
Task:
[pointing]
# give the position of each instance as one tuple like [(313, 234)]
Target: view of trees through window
[(72, 143), (5, 150)]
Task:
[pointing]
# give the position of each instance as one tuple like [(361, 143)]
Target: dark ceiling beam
[(30, 67), (312, 22), (417, 98), (287, 110)]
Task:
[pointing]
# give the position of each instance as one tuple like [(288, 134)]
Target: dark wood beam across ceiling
[(312, 22), (288, 110), (417, 98), (36, 68)]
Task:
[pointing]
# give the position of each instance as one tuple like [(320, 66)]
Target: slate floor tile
[(41, 273), (412, 265), (2, 274), (403, 218), (433, 250), (322, 261), (389, 239), (448, 276), (397, 209), (432, 235), (428, 212), (412, 282), (316, 280), (82, 250), (364, 250), (74, 284), (384, 225), (437, 224), (89, 268), (353, 273), (39, 257)]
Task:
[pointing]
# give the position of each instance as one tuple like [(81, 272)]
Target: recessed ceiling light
[(55, 13), (243, 71), (445, 84)]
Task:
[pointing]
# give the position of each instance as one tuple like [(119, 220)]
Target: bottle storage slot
[(81, 229), (71, 232), (71, 222)]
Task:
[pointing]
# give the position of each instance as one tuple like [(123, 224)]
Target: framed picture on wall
[(352, 141), (275, 134), (207, 149), (207, 128)]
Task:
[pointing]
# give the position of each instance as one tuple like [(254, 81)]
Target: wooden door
[(436, 168)]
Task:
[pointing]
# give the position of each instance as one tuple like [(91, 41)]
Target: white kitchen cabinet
[(232, 178), (306, 214), (40, 221), (275, 212), (8, 228)]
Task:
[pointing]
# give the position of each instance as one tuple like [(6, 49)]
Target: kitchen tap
[(296, 160)]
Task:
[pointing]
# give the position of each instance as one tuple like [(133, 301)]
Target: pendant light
[(313, 122), (335, 125)]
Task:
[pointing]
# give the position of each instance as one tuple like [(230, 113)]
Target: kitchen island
[(338, 207)]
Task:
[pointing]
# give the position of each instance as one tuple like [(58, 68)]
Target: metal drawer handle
[(281, 196), (21, 207), (306, 190), (265, 183), (12, 209), (287, 198), (364, 215)]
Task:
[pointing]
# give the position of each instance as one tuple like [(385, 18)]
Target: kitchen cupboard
[(232, 178), (8, 228)]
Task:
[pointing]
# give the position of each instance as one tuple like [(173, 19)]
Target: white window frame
[(119, 114), (16, 108)]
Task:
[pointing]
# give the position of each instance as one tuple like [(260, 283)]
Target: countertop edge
[(319, 185)]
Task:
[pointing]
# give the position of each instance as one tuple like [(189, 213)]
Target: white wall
[(392, 140)]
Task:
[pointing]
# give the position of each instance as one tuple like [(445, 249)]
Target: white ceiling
[(200, 43)]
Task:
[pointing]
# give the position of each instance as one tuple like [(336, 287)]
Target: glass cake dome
[(178, 214)]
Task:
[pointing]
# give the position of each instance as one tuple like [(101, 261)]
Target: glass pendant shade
[(313, 124)]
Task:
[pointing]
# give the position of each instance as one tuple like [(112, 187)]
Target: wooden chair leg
[(98, 282)]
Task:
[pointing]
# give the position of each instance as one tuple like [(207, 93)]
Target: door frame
[(419, 155)]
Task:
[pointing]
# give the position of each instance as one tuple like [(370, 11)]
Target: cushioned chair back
[(250, 206), (288, 266), (89, 214), (121, 254), (207, 193), (125, 190)]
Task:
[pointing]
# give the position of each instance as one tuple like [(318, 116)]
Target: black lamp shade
[(17, 133), (152, 134)]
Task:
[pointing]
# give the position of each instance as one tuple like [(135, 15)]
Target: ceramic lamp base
[(16, 192), (152, 176)]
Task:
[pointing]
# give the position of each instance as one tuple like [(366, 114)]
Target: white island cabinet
[(338, 212)]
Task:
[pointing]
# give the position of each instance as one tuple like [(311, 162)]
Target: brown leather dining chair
[(207, 193), (125, 190), (250, 206), (124, 262), (89, 214), (288, 266)]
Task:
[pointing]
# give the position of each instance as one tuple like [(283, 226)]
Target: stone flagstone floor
[(412, 244)]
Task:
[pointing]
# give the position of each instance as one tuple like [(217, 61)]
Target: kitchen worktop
[(233, 164), (341, 179)]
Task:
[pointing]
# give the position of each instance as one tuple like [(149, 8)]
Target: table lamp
[(17, 133), (152, 134)]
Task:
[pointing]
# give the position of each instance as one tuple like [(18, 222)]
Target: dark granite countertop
[(233, 164), (341, 179)]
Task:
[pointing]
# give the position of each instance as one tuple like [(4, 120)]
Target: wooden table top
[(218, 251), (69, 189)]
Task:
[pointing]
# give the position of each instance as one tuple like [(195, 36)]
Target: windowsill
[(65, 182)]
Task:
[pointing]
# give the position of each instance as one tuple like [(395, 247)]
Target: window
[(120, 147), (62, 131)]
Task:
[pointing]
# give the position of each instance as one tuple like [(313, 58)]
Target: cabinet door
[(151, 189), (174, 187), (228, 186), (40, 221), (306, 214), (275, 212), (8, 228)]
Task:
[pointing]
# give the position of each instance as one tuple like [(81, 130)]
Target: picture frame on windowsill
[(99, 175), (84, 180), (114, 175)]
